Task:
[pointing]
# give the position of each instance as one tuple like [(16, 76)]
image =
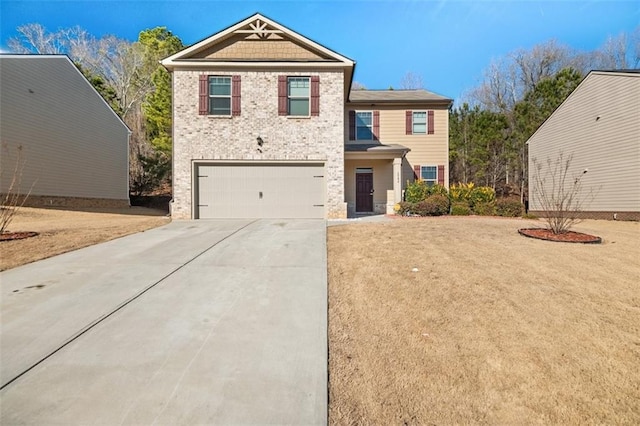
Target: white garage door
[(260, 191)]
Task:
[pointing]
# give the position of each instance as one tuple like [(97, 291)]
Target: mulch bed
[(566, 237), (10, 236)]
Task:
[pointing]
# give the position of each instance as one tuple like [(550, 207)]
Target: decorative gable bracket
[(261, 30)]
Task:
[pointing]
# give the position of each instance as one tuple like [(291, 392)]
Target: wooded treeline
[(129, 77), (518, 92), (487, 132)]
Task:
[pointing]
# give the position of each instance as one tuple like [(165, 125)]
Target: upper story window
[(298, 95), (429, 174), (419, 122), (364, 125), (219, 95)]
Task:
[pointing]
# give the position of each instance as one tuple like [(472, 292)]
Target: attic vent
[(259, 29)]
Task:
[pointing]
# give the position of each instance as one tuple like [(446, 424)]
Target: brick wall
[(198, 137)]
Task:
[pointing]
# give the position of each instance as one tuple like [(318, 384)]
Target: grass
[(492, 328)]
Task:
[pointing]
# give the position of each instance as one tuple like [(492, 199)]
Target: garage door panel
[(261, 191)]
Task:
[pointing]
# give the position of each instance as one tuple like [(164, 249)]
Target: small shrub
[(404, 208), (482, 194), (434, 205), (509, 207), (438, 189), (484, 208), (460, 208), (440, 204), (461, 191), (416, 191)]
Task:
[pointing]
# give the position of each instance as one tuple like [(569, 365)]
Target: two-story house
[(265, 125)]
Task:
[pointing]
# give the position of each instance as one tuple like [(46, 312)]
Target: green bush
[(509, 207), (419, 191), (416, 191), (484, 208), (460, 208), (482, 194), (438, 189)]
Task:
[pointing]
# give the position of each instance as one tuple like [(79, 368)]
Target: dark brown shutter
[(441, 174), (315, 95), (235, 95), (409, 122), (376, 125), (203, 92), (282, 95), (352, 125), (430, 129), (416, 172)]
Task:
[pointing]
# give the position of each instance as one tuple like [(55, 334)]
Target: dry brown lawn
[(493, 328), (65, 230)]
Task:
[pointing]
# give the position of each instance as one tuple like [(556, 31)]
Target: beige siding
[(73, 143), (427, 150), (382, 182), (599, 124), (239, 48)]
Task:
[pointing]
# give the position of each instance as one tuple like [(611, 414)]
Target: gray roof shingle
[(396, 96)]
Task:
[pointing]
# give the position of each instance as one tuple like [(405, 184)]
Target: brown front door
[(364, 192)]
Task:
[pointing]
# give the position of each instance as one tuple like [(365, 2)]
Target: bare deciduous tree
[(411, 81), (12, 197), (557, 194)]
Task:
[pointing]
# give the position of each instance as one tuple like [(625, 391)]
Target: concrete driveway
[(196, 322)]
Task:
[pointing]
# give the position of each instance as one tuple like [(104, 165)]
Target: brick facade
[(207, 138)]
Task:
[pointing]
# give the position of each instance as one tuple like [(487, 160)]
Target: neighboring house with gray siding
[(263, 120), (599, 126), (75, 147)]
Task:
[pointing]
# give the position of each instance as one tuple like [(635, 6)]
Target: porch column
[(397, 180)]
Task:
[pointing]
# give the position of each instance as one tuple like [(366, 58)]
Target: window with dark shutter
[(430, 122), (203, 91), (416, 172), (282, 95), (441, 174), (315, 95), (376, 125), (235, 95), (352, 125), (408, 122)]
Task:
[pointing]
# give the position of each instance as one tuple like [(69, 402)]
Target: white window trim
[(289, 97), (229, 96), (435, 181), (370, 127), (426, 122)]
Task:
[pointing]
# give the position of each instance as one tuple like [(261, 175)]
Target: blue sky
[(448, 43)]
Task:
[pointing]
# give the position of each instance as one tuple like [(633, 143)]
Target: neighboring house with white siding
[(74, 146), (598, 125), (265, 125)]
